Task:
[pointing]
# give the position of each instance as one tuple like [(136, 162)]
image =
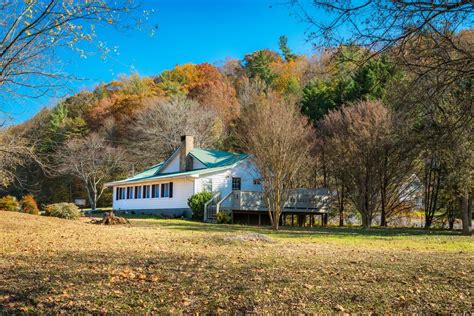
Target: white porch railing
[(298, 200), (208, 204)]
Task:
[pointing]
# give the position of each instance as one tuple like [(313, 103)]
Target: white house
[(165, 188), (233, 179)]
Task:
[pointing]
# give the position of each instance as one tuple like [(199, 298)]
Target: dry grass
[(50, 265)]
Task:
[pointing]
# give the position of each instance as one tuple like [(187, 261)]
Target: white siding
[(247, 172), (222, 182), (173, 165), (182, 190)]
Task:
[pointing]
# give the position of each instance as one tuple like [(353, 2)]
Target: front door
[(236, 186)]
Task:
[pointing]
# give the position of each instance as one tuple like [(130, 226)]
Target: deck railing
[(298, 200)]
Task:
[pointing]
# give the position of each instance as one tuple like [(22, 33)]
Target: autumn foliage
[(9, 203), (28, 205), (143, 117)]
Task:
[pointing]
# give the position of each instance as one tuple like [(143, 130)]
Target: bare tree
[(32, 31), (441, 125), (354, 138), (279, 140), (156, 131), (93, 161), (14, 152), (427, 29), (397, 181)]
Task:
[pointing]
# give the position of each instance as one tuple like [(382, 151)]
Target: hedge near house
[(63, 210), (223, 218), (196, 204)]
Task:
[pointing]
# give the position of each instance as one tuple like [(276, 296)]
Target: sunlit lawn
[(49, 265)]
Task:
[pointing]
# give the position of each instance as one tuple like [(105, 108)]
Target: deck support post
[(259, 219)]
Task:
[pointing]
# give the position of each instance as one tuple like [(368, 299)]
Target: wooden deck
[(300, 201)]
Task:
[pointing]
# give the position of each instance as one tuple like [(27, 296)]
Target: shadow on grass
[(92, 274), (285, 231)]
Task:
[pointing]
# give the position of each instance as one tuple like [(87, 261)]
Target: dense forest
[(377, 141)]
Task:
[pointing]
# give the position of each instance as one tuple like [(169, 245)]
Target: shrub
[(28, 205), (9, 203), (223, 218), (196, 204), (63, 210)]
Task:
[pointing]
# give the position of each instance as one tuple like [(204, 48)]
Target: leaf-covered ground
[(49, 265)]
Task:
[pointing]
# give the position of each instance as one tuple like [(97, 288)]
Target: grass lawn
[(49, 265)]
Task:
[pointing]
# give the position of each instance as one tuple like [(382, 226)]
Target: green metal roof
[(214, 160), (168, 175), (147, 172)]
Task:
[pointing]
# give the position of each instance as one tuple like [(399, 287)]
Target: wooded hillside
[(384, 145)]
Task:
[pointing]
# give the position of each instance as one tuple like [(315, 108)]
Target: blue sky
[(189, 32)]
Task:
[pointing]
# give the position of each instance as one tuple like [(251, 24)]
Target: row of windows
[(166, 189), (145, 191)]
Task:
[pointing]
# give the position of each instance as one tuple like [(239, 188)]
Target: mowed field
[(49, 265)]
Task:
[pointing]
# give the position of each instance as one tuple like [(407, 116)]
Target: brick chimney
[(187, 144)]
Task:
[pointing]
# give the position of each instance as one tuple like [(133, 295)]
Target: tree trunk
[(366, 216), (451, 223), (276, 220), (428, 221), (325, 182), (89, 195), (427, 197), (94, 199), (466, 215), (383, 211), (341, 207), (366, 220), (274, 211), (383, 193), (432, 187), (383, 219), (451, 215)]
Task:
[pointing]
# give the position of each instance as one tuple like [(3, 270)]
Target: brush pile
[(110, 219)]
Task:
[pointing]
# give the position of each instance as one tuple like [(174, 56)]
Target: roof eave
[(164, 177), (123, 182), (175, 176)]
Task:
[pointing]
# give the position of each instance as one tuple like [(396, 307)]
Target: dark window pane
[(236, 183)]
